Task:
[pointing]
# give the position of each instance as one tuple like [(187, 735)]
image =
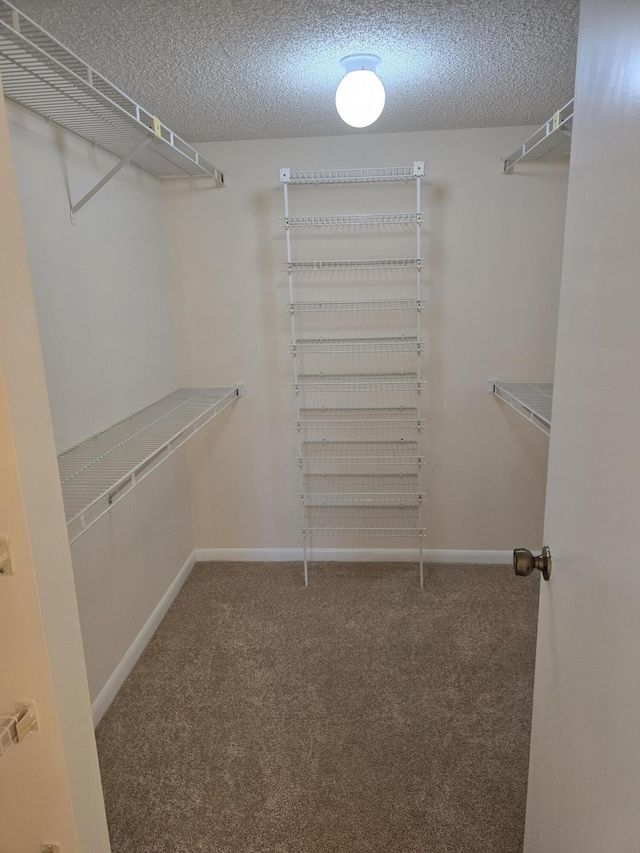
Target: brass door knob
[(524, 562)]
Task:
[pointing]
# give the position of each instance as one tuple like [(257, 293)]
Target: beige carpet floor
[(361, 715)]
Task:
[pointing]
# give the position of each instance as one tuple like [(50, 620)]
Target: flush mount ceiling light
[(360, 96)]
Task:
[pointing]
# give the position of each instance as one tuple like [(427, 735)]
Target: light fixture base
[(360, 62)]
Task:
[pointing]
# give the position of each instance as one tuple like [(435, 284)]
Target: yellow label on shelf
[(156, 127), (556, 120)]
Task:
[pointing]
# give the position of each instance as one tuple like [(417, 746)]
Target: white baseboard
[(118, 676), (348, 555)]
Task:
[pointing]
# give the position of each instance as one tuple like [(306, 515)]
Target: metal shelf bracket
[(15, 727), (552, 139), (119, 165), (6, 566)]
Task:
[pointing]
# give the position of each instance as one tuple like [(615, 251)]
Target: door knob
[(524, 562)]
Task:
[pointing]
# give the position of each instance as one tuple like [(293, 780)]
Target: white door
[(584, 780)]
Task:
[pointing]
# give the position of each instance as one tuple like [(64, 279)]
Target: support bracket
[(27, 720), (14, 728), (119, 165)]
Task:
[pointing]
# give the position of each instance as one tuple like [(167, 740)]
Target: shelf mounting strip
[(43, 75), (99, 472)]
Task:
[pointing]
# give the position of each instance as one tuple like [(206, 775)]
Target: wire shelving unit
[(552, 139), (40, 73), (360, 461), (99, 472), (532, 400)]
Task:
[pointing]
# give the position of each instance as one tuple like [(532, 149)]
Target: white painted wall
[(50, 783), (100, 286), (494, 245), (102, 298), (125, 563), (584, 777)]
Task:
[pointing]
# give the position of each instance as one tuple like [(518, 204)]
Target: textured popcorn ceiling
[(259, 69)]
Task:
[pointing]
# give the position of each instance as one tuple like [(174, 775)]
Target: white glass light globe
[(360, 96)]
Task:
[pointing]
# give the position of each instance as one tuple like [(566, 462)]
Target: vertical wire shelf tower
[(352, 483)]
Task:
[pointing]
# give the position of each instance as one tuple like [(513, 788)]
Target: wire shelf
[(369, 530), (370, 264), (8, 733), (44, 76), (360, 452), (359, 418), (357, 345), (552, 139), (100, 471), (354, 219), (358, 382), (402, 304), (532, 400), (328, 499), (351, 176), (364, 489), (372, 521)]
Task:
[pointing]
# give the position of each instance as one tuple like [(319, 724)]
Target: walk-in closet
[(317, 427)]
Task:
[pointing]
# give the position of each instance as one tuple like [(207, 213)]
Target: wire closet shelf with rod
[(356, 348)]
